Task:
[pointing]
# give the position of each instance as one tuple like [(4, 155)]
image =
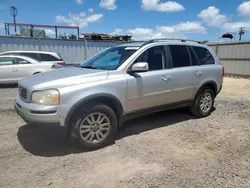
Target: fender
[(208, 83), (100, 96)]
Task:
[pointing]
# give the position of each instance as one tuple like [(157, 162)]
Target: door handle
[(165, 78), (198, 73), (14, 70)]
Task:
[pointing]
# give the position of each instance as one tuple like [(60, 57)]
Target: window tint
[(155, 57), (48, 57), (20, 61), (109, 59), (180, 55), (31, 55), (194, 58), (204, 56), (6, 61)]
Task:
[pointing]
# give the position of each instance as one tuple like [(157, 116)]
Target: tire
[(199, 107), (81, 126), (37, 73)]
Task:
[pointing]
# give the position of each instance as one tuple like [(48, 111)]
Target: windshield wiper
[(88, 67)]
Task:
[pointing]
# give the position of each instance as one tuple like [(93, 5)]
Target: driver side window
[(155, 57)]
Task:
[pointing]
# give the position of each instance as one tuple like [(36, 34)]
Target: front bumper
[(39, 114)]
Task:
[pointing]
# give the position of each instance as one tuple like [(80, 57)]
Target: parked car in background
[(120, 83), (41, 56), (13, 68)]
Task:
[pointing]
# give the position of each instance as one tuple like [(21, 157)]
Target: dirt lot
[(168, 149)]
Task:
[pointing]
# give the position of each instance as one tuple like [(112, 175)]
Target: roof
[(163, 40), (132, 44), (24, 51)]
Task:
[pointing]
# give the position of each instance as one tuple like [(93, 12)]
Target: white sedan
[(13, 68)]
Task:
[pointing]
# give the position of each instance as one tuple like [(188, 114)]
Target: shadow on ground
[(52, 141)]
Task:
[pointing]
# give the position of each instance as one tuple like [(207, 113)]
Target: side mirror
[(139, 67)]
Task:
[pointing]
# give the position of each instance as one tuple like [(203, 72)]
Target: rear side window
[(48, 57), (180, 55), (204, 56), (194, 58), (31, 55)]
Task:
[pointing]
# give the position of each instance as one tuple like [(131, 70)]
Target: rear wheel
[(95, 127), (37, 73), (204, 102)]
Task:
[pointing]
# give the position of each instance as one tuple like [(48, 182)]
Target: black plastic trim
[(91, 98), (42, 112), (152, 110)]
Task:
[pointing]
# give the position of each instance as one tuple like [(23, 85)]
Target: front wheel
[(204, 102), (95, 127)]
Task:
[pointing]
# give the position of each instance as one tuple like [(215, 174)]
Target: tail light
[(58, 65), (61, 63)]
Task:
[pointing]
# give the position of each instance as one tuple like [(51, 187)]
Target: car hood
[(63, 77)]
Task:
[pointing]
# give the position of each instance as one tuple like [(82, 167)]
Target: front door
[(24, 68), (7, 70), (148, 89)]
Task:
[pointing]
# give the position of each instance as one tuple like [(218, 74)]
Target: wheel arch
[(107, 99), (37, 72), (211, 84)]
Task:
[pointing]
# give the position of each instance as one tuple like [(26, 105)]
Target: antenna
[(13, 13)]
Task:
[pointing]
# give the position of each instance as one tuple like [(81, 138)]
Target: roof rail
[(166, 39)]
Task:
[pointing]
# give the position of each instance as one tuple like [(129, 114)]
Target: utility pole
[(241, 32), (13, 13)]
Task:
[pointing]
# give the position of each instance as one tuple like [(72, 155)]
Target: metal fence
[(72, 51), (235, 57)]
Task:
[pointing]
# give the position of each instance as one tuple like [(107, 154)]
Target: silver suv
[(119, 83)]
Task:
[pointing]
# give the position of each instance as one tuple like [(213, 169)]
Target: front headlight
[(46, 97)]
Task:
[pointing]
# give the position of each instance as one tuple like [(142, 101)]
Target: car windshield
[(109, 59)]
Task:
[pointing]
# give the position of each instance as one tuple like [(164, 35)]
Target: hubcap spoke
[(101, 120), (88, 120), (91, 137), (105, 125), (85, 131), (104, 129), (99, 117), (92, 118), (94, 128), (206, 102), (101, 134), (97, 136), (85, 126), (88, 135)]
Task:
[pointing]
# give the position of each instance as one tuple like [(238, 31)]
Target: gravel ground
[(167, 149)]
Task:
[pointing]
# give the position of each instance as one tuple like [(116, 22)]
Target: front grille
[(23, 92)]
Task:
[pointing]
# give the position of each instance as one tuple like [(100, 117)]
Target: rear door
[(183, 82), (7, 70), (205, 67)]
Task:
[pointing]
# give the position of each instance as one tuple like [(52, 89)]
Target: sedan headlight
[(46, 97)]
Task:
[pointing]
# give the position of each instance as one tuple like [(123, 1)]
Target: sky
[(143, 19)]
